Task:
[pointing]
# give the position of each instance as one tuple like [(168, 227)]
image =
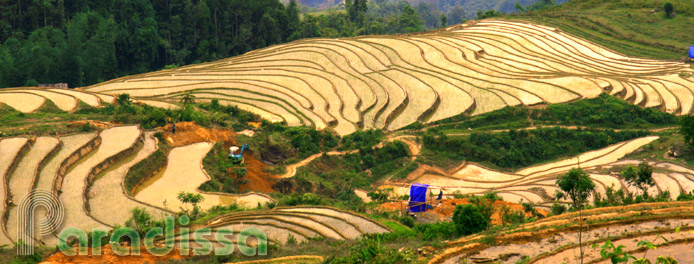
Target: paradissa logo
[(158, 241), (222, 244)]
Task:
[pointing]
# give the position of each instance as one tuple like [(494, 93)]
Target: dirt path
[(291, 169)]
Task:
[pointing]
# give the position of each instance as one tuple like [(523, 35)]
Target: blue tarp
[(691, 52), (418, 197)]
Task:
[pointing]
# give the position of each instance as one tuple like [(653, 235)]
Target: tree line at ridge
[(83, 42)]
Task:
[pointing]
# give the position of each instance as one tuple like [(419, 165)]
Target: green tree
[(469, 219), (193, 199), (9, 74), (187, 98), (488, 14), (123, 99), (519, 7), (292, 18), (409, 20), (669, 9), (687, 130), (577, 186), (428, 14), (456, 15), (485, 204), (641, 177), (444, 21)]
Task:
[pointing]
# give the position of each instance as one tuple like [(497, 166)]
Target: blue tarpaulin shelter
[(418, 197), (691, 52)]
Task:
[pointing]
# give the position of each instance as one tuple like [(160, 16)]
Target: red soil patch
[(447, 207), (108, 256), (188, 133), (93, 123)]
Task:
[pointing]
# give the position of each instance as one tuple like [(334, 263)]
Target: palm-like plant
[(188, 98)]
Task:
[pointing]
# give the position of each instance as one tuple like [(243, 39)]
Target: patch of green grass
[(517, 149), (630, 27), (604, 111), (147, 167)]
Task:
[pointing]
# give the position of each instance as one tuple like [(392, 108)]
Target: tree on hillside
[(456, 15), (519, 7), (356, 9), (409, 20), (687, 130), (641, 177), (577, 186), (488, 14), (669, 8), (429, 14), (469, 219), (292, 17), (193, 199), (444, 21), (188, 98), (485, 203), (123, 99)]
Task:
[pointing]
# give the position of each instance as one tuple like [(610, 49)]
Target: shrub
[(437, 231), (299, 199), (361, 139), (380, 195), (407, 221), (686, 196), (515, 149), (469, 219), (370, 249), (510, 217), (669, 9), (558, 208), (485, 204)]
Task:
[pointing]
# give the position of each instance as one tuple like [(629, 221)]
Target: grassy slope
[(632, 27)]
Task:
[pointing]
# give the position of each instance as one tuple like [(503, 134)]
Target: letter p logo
[(53, 218)]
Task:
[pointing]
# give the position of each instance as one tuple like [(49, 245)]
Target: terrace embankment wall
[(72, 159), (89, 180)]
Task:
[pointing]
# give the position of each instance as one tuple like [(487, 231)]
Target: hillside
[(470, 6), (554, 136), (389, 82), (635, 28)]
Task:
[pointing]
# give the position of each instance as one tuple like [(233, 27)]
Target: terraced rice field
[(301, 223), (87, 98), (28, 100), (87, 172), (389, 82), (24, 177), (22, 102), (65, 102), (114, 141), (184, 173), (538, 184), (555, 239), (9, 151), (107, 189)]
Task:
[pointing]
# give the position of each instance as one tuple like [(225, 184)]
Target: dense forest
[(466, 8), (83, 42)]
